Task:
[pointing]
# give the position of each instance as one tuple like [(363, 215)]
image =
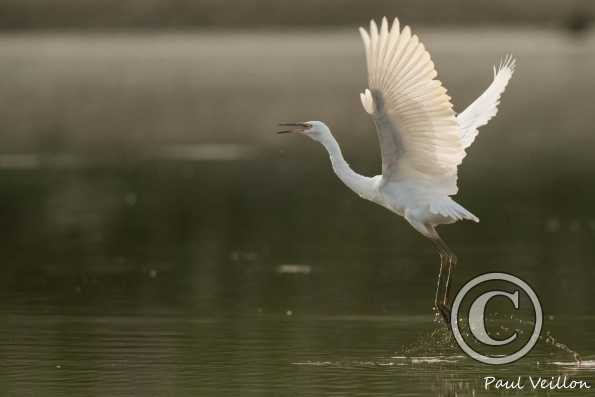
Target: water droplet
[(552, 225), (130, 199), (294, 269)]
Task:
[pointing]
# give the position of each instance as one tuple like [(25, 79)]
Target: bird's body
[(422, 140), (418, 202)]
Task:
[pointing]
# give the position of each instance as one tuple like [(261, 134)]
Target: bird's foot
[(442, 311)]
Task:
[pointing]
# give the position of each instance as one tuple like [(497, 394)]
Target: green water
[(257, 354), (137, 260)]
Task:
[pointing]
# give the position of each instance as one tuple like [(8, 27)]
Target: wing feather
[(486, 106), (417, 128)]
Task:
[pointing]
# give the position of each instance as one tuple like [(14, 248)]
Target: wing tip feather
[(506, 64)]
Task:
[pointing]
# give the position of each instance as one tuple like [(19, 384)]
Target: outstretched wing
[(417, 129), (486, 106)]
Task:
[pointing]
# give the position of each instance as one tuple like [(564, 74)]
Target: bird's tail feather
[(451, 209)]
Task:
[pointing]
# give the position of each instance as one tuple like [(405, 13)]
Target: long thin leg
[(452, 261), (439, 298), (447, 257), (439, 282)]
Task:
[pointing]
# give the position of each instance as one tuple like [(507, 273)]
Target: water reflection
[(181, 249), (126, 355)]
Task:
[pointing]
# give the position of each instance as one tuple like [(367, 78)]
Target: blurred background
[(159, 237)]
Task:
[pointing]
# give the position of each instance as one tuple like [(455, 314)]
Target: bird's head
[(313, 129)]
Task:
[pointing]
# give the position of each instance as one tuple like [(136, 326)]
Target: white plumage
[(486, 106), (413, 114), (422, 140)]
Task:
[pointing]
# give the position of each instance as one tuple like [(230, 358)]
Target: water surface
[(159, 239)]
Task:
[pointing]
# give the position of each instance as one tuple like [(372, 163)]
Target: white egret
[(422, 140)]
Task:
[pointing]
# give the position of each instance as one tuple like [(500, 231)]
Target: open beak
[(297, 127)]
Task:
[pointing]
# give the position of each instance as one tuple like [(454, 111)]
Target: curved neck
[(356, 182)]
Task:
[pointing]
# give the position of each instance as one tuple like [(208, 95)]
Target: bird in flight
[(422, 140)]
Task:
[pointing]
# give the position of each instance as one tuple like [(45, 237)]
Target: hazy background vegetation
[(176, 14)]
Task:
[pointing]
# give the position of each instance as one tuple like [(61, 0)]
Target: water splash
[(439, 346), (437, 343), (546, 338)]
